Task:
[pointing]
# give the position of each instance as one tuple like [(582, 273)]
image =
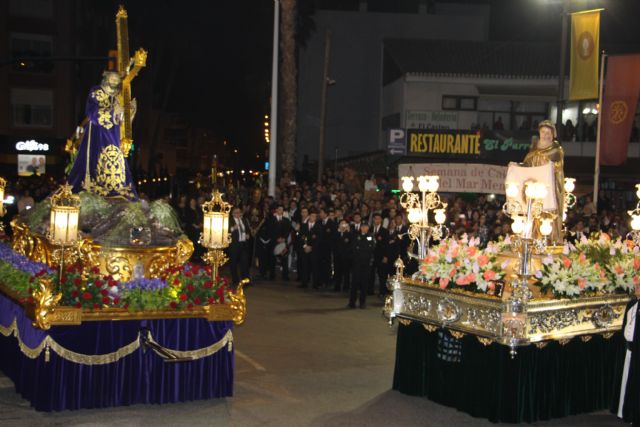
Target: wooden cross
[(128, 69)]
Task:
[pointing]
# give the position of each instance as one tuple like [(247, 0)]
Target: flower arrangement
[(600, 265), (461, 264), (181, 288)]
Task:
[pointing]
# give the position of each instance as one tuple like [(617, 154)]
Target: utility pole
[(273, 126), (323, 101)]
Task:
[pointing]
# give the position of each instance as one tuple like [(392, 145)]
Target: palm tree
[(289, 82)]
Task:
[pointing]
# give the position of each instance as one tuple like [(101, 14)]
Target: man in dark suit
[(362, 247), (342, 257), (380, 261), (279, 230), (239, 247), (398, 244), (629, 397), (309, 263), (325, 247)]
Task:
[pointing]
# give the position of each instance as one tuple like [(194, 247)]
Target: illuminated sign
[(31, 145), (447, 143)]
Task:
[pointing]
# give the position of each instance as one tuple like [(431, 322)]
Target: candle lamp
[(63, 221), (215, 231)]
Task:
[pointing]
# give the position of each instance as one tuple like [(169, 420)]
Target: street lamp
[(418, 207), (63, 221), (215, 232)]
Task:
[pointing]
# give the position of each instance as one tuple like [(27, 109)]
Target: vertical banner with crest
[(585, 45), (619, 101)]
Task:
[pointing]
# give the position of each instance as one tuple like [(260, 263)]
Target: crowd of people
[(319, 230), (344, 232)]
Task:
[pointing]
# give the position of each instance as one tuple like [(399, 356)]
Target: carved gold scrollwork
[(45, 301), (586, 338), (118, 266), (541, 344), (607, 335), (158, 264), (405, 322), (239, 303), (564, 341), (184, 250)]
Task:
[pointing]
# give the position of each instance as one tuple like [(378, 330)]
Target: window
[(467, 103), (25, 46), (32, 108)]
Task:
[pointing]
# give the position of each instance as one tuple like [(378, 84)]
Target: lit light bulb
[(541, 191), (635, 222), (545, 227), (512, 190), (423, 183), (433, 183), (407, 184), (530, 190), (440, 216), (569, 185), (518, 224), (414, 215), (586, 110)]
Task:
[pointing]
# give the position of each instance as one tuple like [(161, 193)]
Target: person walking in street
[(362, 248)]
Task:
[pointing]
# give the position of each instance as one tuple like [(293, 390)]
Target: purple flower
[(21, 262), (145, 284)]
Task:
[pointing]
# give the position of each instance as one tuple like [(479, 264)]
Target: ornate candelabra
[(215, 232), (634, 234), (418, 207), (63, 222), (525, 243)]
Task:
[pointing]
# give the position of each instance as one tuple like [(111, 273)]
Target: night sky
[(211, 60)]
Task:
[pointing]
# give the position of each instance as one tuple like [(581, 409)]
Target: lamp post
[(63, 222), (418, 206), (215, 232)]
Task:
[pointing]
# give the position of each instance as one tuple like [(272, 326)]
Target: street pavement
[(302, 359)]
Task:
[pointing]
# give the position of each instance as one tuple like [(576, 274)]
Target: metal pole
[(273, 126), (563, 63), (323, 101), (596, 173)]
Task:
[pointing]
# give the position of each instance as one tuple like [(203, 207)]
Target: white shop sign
[(431, 120), (31, 145)]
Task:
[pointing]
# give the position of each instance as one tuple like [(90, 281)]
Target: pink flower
[(444, 282), (489, 275), (483, 260), (582, 282), (491, 285), (566, 262), (619, 270), (582, 258), (452, 272), (471, 251), (636, 263)]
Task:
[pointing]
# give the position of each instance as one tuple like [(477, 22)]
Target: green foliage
[(38, 215), (15, 279), (93, 206), (142, 299), (164, 214)]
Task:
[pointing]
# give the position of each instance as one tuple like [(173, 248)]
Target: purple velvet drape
[(141, 377)]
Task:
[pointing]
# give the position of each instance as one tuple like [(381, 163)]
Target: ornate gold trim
[(457, 334), (541, 344), (586, 338), (428, 327), (405, 322), (485, 341)]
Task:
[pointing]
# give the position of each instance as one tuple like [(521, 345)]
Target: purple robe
[(100, 166)]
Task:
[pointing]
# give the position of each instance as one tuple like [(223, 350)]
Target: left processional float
[(98, 252)]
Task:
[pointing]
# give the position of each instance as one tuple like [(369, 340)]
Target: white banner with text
[(460, 177)]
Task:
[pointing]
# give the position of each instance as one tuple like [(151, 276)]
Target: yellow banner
[(585, 53)]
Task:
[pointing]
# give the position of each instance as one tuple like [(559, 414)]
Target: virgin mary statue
[(100, 166)]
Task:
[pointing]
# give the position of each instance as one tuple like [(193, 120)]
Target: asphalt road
[(302, 359)]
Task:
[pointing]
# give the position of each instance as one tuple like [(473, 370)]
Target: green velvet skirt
[(484, 381)]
